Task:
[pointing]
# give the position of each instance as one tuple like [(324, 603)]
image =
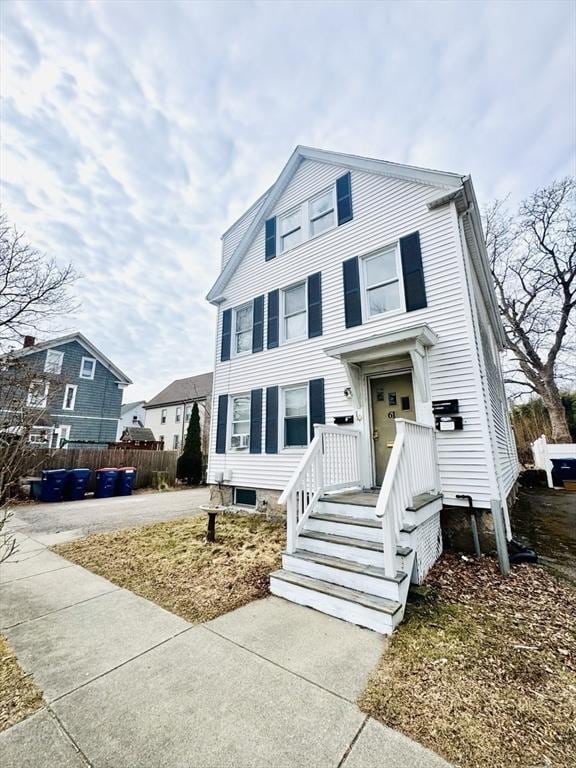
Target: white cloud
[(134, 133)]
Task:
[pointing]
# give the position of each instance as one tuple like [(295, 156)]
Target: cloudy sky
[(135, 132)]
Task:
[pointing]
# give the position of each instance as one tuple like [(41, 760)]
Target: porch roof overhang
[(382, 345)]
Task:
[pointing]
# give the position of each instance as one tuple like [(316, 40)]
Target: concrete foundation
[(457, 532), (266, 501)]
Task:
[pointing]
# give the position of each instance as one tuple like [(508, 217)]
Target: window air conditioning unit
[(239, 441)]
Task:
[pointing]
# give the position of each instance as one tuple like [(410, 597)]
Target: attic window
[(53, 362), (322, 215), (290, 229), (87, 368)]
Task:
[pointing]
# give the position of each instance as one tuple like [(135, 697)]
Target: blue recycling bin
[(125, 481), (53, 484), (76, 484), (105, 482), (563, 469)]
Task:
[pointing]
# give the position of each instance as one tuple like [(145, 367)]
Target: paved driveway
[(130, 685), (53, 523)]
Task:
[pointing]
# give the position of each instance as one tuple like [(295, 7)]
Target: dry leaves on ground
[(171, 563), (19, 696), (484, 670)]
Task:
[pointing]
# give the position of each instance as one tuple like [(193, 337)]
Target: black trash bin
[(125, 481), (76, 484), (105, 482), (53, 484), (563, 469)]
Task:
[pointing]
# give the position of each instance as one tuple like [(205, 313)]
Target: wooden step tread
[(332, 538), (374, 602), (365, 521), (420, 501), (356, 498), (347, 565)]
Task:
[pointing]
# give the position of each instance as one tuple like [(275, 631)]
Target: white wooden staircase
[(352, 554)]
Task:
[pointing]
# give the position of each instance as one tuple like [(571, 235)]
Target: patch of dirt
[(483, 670), (171, 563), (19, 696)]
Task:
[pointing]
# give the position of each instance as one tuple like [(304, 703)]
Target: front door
[(392, 398)]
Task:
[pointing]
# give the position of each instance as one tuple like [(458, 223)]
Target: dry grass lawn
[(19, 696), (171, 563), (483, 671)]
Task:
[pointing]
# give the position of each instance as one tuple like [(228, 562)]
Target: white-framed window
[(53, 362), (295, 416), (87, 368), (178, 416), (290, 229), (187, 413), (176, 442), (322, 212), (40, 436), (38, 394), (163, 414), (240, 422), (69, 397), (63, 436), (294, 312), (243, 321), (381, 280)]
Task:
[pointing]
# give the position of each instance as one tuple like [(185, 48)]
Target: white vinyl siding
[(385, 209), (53, 362)]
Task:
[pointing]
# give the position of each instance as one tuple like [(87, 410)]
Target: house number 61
[(391, 414)]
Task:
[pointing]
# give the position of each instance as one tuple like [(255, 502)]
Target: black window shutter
[(221, 423), (226, 334), (344, 198), (272, 420), (316, 403), (256, 421), (352, 300), (258, 324), (270, 247), (273, 319), (315, 305), (414, 287)]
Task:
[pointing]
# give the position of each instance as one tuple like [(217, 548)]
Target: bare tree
[(533, 261), (34, 289)]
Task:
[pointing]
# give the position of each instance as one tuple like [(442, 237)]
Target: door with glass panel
[(392, 398)]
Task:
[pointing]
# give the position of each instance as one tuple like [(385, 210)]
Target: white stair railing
[(331, 462), (412, 469)]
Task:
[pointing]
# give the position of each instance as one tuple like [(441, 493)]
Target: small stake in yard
[(211, 532)]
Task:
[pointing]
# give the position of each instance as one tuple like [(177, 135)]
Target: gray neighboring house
[(84, 398), (168, 413)]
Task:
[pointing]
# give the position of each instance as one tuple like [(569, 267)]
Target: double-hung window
[(243, 321), (87, 368), (38, 394), (163, 415), (381, 282), (188, 413), (178, 416), (176, 442), (69, 397), (291, 229), (240, 423), (321, 212), (294, 312), (296, 417), (53, 362)]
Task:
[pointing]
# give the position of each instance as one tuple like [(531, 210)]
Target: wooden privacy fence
[(146, 462)]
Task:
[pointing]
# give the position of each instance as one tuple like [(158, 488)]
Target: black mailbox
[(448, 423), (445, 407), (343, 419)]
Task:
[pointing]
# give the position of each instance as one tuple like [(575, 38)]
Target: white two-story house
[(357, 377)]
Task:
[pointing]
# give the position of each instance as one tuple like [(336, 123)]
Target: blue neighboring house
[(83, 399)]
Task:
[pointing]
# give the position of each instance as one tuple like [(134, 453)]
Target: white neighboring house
[(131, 415), (357, 377), (168, 413)]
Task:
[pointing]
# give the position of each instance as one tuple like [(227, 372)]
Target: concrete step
[(346, 573), (349, 548), (369, 611)]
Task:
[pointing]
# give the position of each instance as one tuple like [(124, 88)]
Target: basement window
[(245, 497)]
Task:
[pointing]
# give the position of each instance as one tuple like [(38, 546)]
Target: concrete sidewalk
[(129, 684)]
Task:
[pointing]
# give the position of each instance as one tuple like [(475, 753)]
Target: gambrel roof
[(440, 179), (451, 187), (84, 342)]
